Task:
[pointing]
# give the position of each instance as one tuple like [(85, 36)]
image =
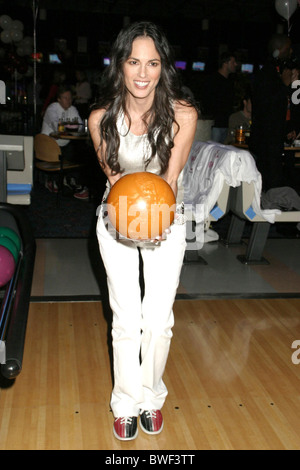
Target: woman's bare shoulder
[(96, 116), (184, 112)]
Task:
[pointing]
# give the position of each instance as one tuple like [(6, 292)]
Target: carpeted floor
[(68, 217), (62, 216)]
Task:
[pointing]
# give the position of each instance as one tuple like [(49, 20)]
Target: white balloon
[(5, 21), (5, 36), (16, 24), (286, 8), (16, 35)]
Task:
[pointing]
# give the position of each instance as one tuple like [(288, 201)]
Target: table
[(73, 136), (286, 149), (290, 159), (296, 150)]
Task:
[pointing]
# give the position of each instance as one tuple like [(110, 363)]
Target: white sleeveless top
[(134, 152)]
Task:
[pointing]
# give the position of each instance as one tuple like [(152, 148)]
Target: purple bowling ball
[(7, 266)]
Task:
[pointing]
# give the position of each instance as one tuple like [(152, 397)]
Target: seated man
[(63, 110), (217, 96), (60, 110), (240, 118)]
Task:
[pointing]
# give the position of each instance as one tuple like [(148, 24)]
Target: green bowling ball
[(10, 233)]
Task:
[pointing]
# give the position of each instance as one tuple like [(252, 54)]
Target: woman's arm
[(93, 123), (186, 116)]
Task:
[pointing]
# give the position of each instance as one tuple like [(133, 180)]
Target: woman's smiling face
[(142, 69)]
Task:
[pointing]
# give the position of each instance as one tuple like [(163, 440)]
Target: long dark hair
[(159, 119)]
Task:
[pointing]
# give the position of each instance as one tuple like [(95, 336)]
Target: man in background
[(63, 110), (240, 118), (218, 96), (271, 112)]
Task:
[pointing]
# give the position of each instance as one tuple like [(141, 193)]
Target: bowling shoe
[(51, 186), (83, 194), (71, 184), (125, 429), (151, 421)]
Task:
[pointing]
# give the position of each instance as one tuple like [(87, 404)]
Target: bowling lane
[(64, 268), (72, 269)]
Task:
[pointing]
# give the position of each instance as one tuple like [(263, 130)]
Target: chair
[(242, 211), (48, 158), (220, 209), (203, 130)]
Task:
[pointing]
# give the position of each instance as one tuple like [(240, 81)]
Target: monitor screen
[(180, 64), (54, 59), (198, 66), (247, 68), (106, 61)]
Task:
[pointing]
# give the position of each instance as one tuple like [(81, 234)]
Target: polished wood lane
[(232, 383)]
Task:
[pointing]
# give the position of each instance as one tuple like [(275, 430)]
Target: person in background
[(218, 96), (240, 118), (63, 110)]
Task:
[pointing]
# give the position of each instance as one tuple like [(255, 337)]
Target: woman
[(142, 124)]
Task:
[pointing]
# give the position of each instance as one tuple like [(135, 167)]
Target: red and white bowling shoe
[(151, 421), (125, 429)]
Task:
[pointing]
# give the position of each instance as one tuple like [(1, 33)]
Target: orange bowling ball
[(141, 206)]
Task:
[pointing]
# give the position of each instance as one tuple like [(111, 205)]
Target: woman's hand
[(160, 238)]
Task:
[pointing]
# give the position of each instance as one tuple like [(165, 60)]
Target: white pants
[(141, 329)]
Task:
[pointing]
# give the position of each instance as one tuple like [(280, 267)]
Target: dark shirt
[(294, 124), (269, 112), (218, 98)]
